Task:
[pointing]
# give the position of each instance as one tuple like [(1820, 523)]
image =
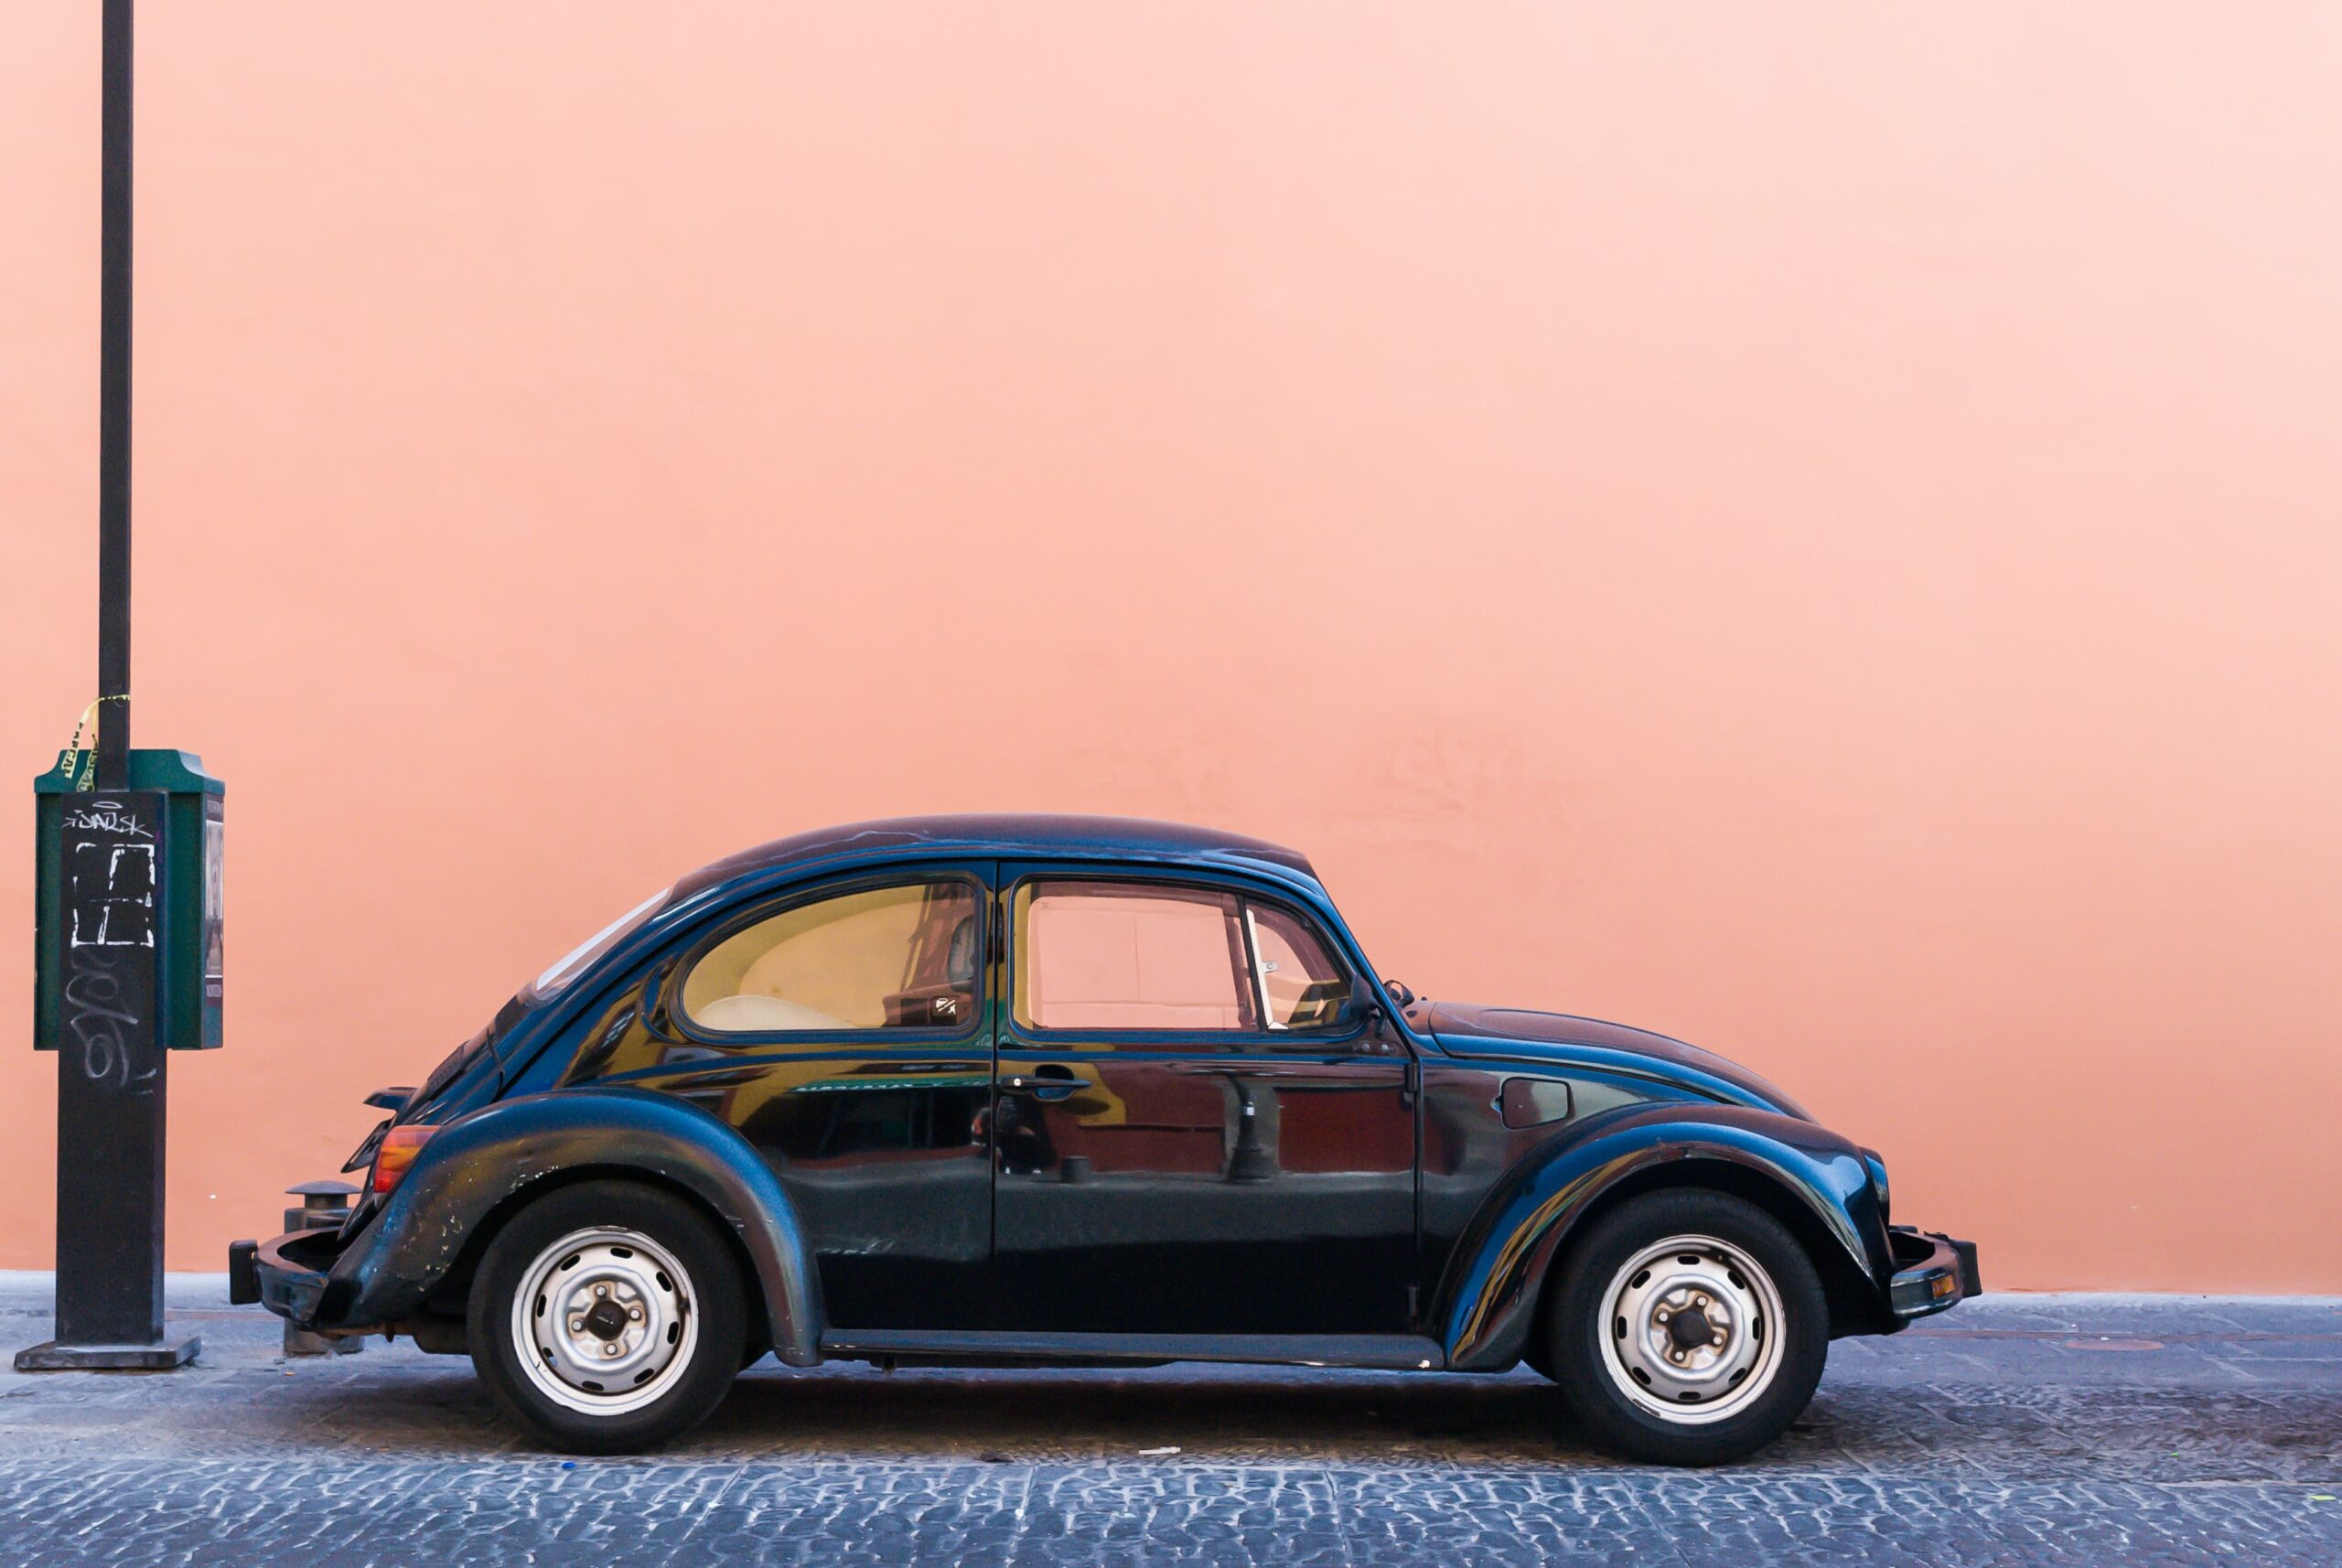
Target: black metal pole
[(111, 1072), (114, 404)]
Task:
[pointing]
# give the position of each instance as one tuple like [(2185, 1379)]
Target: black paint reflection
[(1212, 1193)]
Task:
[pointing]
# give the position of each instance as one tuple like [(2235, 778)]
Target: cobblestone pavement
[(2053, 1430)]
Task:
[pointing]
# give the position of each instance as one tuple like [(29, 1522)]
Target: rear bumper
[(286, 1275), (1932, 1273)]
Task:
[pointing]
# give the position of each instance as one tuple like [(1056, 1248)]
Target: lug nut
[(611, 1348), (635, 1313), (577, 1325), (601, 1290)]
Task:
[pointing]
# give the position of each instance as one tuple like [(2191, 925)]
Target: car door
[(843, 1029), (1192, 1134)]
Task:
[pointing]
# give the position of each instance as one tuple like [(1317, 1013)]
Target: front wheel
[(607, 1318), (1690, 1329)]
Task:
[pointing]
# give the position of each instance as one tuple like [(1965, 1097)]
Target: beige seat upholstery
[(761, 1016)]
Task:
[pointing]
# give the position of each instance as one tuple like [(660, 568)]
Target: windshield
[(552, 981)]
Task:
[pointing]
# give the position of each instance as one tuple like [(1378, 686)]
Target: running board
[(1401, 1353)]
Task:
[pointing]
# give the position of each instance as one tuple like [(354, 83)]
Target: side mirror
[(1399, 993)]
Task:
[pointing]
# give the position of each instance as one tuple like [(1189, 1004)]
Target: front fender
[(474, 1164), (1486, 1303)]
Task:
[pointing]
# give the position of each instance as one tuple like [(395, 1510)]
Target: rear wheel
[(1690, 1329), (607, 1318)]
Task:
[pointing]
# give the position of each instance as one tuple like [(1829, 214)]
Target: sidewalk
[(2055, 1430)]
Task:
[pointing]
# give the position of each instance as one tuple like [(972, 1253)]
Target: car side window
[(1110, 956), (904, 956), (1130, 955)]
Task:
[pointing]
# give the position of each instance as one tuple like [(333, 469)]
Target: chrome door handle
[(1039, 1088)]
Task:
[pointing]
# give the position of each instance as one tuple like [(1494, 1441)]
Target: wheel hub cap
[(603, 1320), (1689, 1329), (606, 1319), (1692, 1329)]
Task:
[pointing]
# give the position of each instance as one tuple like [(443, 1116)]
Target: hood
[(1465, 1030)]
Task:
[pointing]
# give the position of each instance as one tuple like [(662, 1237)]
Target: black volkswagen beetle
[(1084, 1090)]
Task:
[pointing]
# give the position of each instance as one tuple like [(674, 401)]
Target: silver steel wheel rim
[(605, 1321), (1690, 1330)]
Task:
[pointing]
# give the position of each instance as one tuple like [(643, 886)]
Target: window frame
[(771, 1041), (1337, 1041)]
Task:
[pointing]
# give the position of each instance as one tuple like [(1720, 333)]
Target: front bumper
[(1932, 1271)]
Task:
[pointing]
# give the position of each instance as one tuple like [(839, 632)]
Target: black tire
[(706, 1307), (1588, 1347)]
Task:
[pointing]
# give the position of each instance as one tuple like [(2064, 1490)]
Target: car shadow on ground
[(1082, 1417), (1230, 1415)]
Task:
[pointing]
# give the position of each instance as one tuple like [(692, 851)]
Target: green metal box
[(186, 927)]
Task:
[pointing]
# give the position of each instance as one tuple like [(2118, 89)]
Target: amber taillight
[(400, 1146)]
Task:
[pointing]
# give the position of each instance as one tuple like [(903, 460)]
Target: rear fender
[(475, 1164), (1486, 1304)]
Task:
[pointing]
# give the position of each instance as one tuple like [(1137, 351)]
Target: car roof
[(1008, 836)]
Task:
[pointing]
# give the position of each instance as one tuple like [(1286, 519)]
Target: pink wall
[(1810, 528)]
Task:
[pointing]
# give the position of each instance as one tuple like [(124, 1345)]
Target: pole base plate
[(50, 1356)]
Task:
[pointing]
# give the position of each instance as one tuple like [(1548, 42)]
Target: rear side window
[(1114, 956), (899, 957)]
